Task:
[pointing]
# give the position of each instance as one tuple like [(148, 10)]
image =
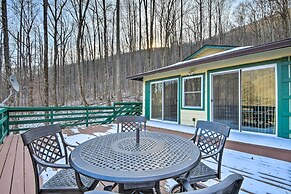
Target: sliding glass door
[(245, 99), (164, 100), (225, 99)]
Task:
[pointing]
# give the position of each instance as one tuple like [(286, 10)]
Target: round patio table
[(119, 158)]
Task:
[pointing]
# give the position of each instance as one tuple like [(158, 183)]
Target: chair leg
[(79, 182), (94, 185), (157, 187), (81, 186)]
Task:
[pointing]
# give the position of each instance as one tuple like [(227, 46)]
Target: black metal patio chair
[(48, 148), (130, 123), (230, 185), (210, 138)]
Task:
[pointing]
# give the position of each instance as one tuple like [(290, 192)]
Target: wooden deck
[(17, 177), (16, 171)]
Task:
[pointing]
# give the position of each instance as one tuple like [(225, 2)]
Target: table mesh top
[(119, 152)]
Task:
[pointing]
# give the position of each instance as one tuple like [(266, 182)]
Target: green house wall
[(283, 67), (284, 98)]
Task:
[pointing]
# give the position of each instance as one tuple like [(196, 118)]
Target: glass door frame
[(178, 102), (239, 70)]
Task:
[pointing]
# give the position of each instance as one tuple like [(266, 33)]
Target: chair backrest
[(229, 185), (210, 137), (130, 123), (45, 143)]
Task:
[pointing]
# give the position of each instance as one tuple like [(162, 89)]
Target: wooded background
[(78, 52)]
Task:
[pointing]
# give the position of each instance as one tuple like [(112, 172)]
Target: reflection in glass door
[(225, 99), (156, 98), (258, 100), (164, 102), (245, 99)]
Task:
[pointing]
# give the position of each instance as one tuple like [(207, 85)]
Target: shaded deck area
[(16, 173)]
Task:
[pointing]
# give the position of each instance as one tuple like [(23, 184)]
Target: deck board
[(18, 173), (7, 175), (29, 184), (4, 152)]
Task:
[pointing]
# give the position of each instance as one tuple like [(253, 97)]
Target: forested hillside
[(80, 51)]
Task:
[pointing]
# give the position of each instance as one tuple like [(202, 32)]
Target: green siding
[(147, 99), (284, 98)]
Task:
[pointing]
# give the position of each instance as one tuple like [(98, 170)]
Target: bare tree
[(6, 44), (80, 9), (56, 10), (283, 7), (118, 80), (45, 52), (105, 43)]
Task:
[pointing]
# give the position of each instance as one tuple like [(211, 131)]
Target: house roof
[(228, 54), (208, 50)]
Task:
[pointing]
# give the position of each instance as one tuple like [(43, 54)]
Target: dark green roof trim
[(224, 47)]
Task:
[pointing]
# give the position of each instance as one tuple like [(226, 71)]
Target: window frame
[(201, 107)]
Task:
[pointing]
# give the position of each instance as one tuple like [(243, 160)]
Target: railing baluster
[(52, 116), (87, 117)]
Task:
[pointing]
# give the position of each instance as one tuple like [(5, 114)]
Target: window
[(192, 92)]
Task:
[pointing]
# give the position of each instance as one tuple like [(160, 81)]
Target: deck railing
[(15, 119), (3, 124)]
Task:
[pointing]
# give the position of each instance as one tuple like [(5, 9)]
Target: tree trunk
[(6, 46), (45, 53), (106, 68), (118, 85)]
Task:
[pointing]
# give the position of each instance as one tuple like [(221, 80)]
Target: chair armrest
[(213, 154), (67, 144), (51, 165)]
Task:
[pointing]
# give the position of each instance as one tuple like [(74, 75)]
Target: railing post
[(114, 111), (87, 116), (6, 128), (52, 116), (4, 117)]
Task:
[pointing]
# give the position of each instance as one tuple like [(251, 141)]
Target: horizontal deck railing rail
[(15, 119)]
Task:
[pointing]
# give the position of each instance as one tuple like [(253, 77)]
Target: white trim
[(258, 67), (195, 92), (276, 97), (239, 102), (162, 81)]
